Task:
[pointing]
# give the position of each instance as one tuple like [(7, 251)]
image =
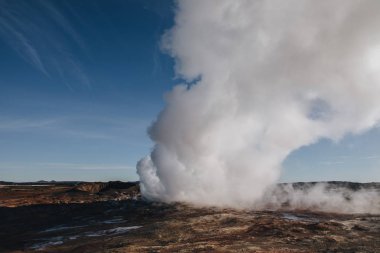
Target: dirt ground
[(62, 219)]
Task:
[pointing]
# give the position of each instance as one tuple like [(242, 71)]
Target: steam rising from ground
[(262, 79), (325, 197)]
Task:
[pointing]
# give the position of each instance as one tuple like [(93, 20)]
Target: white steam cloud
[(263, 78), (326, 197)]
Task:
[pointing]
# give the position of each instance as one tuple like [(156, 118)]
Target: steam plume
[(262, 79)]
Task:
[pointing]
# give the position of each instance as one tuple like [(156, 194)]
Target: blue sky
[(80, 82)]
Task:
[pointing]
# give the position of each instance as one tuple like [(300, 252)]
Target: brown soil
[(63, 218)]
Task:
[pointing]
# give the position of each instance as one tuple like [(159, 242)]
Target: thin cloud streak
[(63, 23), (43, 37), (347, 159), (26, 124), (96, 128), (84, 166), (19, 43), (332, 162), (64, 166), (370, 157)]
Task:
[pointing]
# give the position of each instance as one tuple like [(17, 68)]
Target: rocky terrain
[(13, 195), (112, 217)]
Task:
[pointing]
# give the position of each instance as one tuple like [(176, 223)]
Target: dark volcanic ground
[(111, 217)]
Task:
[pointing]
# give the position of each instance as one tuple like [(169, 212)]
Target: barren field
[(112, 217)]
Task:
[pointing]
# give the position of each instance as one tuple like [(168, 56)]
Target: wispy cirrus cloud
[(370, 157), (342, 160), (333, 162), (21, 124), (44, 37), (78, 127), (64, 165), (84, 166)]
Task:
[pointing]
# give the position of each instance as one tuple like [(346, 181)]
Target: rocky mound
[(97, 187)]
